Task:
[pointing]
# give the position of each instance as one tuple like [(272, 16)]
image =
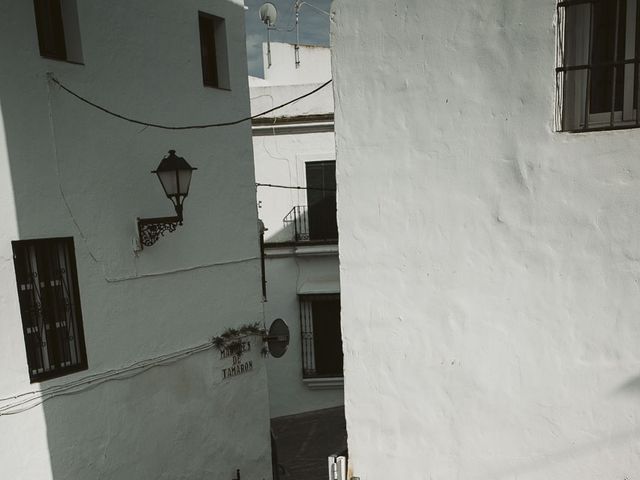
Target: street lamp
[(174, 174)]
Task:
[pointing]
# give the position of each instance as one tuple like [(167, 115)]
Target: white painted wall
[(286, 275), (314, 67), (280, 160), (489, 265), (180, 421)]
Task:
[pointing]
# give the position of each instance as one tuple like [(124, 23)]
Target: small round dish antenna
[(278, 338), (268, 14)]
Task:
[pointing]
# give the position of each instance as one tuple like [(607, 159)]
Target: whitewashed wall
[(489, 266), (314, 66), (181, 421), (288, 393), (280, 160)]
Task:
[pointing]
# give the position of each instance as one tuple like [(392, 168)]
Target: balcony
[(315, 224)]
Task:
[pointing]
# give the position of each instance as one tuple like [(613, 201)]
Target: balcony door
[(321, 200)]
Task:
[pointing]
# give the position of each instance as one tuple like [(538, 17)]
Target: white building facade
[(294, 150), (295, 147), (107, 368), (488, 205)]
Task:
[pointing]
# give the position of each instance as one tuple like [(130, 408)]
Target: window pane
[(575, 89), (597, 89), (49, 306)]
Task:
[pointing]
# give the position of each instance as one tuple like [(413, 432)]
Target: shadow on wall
[(77, 173), (573, 453), (565, 455)]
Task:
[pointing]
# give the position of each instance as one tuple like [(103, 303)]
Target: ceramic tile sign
[(239, 365)]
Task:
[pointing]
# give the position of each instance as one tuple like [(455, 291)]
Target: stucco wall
[(280, 160), (288, 394), (315, 64), (70, 170), (489, 265)]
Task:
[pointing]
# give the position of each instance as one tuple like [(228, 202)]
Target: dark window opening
[(58, 29), (50, 307), (321, 200), (213, 51), (597, 75), (321, 336)]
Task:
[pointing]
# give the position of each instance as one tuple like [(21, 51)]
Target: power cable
[(179, 127), (296, 187), (36, 398)]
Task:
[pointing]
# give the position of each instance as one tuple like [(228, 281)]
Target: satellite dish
[(268, 14), (278, 338)]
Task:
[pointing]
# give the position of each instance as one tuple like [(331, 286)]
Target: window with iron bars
[(597, 66), (50, 307), (321, 336)]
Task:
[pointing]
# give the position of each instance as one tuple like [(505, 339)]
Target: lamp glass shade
[(174, 174), (169, 182), (184, 181)]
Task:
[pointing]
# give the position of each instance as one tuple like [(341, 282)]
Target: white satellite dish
[(268, 14)]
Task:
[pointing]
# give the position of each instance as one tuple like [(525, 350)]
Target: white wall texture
[(314, 67), (70, 170), (489, 265)]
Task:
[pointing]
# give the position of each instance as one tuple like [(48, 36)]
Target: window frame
[(220, 51), (327, 232), (308, 338), (66, 26), (50, 306), (573, 104)]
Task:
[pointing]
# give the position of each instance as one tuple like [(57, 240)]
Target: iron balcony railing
[(315, 223)]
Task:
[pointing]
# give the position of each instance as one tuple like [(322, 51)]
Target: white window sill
[(324, 383)]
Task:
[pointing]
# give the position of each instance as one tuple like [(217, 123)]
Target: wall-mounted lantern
[(174, 174)]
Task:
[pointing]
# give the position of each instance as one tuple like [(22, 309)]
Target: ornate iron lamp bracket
[(151, 229)]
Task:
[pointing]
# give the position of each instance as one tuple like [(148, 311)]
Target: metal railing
[(312, 223)]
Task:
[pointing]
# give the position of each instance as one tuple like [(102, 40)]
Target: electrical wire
[(38, 397), (180, 127), (296, 187), (315, 8)]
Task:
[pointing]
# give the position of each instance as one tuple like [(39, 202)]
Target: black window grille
[(213, 51), (50, 307), (321, 336), (597, 71)]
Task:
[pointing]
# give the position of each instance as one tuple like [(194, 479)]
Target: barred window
[(597, 72), (321, 336), (50, 307)]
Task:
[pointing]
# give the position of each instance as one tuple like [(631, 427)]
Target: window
[(597, 73), (213, 49), (58, 29), (321, 200), (50, 307), (321, 336)]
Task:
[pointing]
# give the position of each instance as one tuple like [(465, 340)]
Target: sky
[(314, 28)]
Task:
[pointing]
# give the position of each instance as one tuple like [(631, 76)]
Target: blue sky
[(314, 28)]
